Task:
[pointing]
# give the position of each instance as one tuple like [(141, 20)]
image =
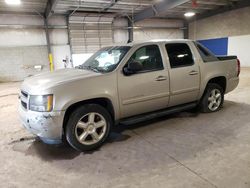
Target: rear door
[(148, 89), (184, 74)]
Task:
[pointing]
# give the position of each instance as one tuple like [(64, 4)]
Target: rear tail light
[(238, 66)]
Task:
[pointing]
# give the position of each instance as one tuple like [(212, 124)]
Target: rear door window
[(179, 55)]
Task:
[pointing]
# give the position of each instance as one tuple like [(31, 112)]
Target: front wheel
[(88, 127), (212, 99)]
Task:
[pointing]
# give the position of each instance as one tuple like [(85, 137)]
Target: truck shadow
[(184, 114), (120, 133), (33, 146), (178, 115), (66, 152)]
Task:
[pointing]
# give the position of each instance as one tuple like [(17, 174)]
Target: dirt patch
[(7, 95), (6, 106)]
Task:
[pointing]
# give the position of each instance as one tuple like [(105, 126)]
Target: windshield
[(106, 59)]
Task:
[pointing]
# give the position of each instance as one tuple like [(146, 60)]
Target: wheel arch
[(220, 80), (102, 101)]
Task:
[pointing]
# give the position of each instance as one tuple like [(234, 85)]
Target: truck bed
[(223, 58)]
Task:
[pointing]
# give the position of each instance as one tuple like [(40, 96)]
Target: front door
[(148, 89)]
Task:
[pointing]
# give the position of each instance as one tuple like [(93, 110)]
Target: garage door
[(90, 33)]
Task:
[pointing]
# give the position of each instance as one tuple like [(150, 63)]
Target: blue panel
[(217, 46)]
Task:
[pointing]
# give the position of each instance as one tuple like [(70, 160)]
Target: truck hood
[(47, 80)]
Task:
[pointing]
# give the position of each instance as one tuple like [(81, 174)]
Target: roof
[(152, 41), (121, 7)]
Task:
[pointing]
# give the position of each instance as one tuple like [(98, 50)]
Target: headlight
[(41, 103)]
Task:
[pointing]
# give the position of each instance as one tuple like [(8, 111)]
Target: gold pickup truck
[(127, 83)]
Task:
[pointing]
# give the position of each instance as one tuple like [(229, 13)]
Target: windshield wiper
[(79, 67), (95, 69)]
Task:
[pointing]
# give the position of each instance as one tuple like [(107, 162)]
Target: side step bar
[(156, 114)]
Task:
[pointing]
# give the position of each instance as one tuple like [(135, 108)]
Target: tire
[(213, 94), (88, 127)]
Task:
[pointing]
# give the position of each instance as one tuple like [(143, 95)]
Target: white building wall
[(150, 32), (21, 37), (18, 62), (231, 23), (120, 35), (240, 45), (23, 47)]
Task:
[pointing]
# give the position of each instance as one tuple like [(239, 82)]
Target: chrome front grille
[(24, 94), (24, 104), (24, 99)]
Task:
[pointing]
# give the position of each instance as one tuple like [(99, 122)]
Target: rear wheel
[(88, 127), (212, 99)]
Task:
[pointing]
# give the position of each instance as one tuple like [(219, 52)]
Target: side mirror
[(133, 67)]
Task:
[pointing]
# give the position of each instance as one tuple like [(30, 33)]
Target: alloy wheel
[(91, 128), (214, 99)]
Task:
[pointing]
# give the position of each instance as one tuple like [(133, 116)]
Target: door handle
[(161, 78), (193, 72)]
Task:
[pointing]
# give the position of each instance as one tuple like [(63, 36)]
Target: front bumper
[(46, 125)]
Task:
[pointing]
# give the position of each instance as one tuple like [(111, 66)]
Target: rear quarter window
[(205, 54)]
